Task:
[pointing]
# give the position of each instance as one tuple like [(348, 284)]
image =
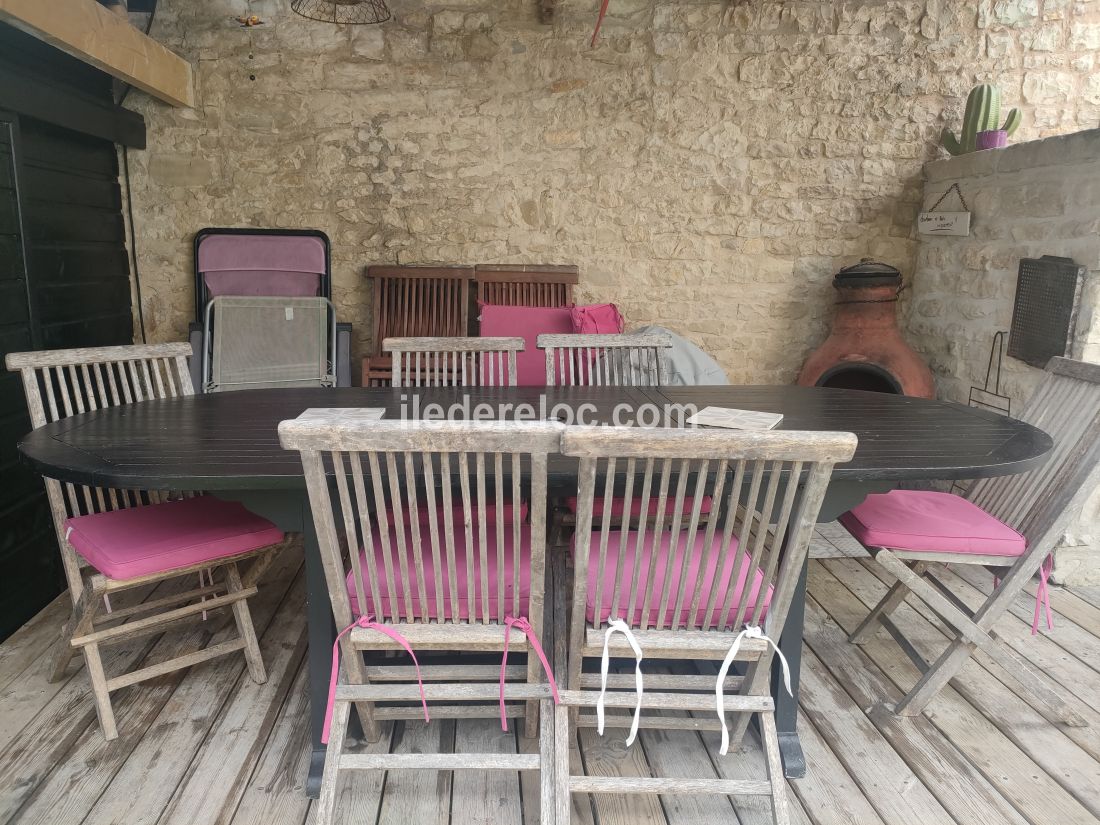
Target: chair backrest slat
[(604, 360), (766, 489), (454, 362), (400, 552), (1066, 405)]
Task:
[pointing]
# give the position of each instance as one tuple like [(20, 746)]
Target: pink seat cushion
[(929, 521), (618, 505), (458, 514), (671, 563), (527, 323), (123, 544), (405, 570)]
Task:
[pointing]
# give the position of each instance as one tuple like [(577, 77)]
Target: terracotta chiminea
[(866, 350)]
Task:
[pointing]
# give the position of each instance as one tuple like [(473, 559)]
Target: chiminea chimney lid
[(867, 272)]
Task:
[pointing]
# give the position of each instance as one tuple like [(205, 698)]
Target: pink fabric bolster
[(365, 621), (525, 626), (1042, 595)]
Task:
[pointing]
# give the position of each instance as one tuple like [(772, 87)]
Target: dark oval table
[(227, 444)]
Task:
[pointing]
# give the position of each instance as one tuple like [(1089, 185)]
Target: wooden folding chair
[(423, 551), (1036, 507), (528, 285), (414, 301), (100, 530), (694, 593), (604, 360), (454, 362)]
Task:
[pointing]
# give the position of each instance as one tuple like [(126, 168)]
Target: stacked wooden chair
[(414, 301), (1009, 524), (453, 362), (528, 285), (117, 540), (423, 553)]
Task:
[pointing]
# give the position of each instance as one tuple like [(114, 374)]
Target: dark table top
[(228, 441)]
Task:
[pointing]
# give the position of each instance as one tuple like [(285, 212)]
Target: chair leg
[(754, 683), (972, 635), (770, 741), (243, 618), (562, 732), (63, 652), (357, 675), (887, 605), (547, 766), (326, 802), (102, 696)]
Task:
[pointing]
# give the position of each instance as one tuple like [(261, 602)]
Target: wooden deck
[(210, 746)]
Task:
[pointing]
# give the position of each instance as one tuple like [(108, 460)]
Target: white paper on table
[(735, 419), (343, 413)]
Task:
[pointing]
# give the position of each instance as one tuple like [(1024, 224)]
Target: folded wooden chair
[(699, 592), (116, 540), (1009, 524), (417, 560), (453, 362)]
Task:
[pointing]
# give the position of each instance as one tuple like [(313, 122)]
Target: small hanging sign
[(945, 223)]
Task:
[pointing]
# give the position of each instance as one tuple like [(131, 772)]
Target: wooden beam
[(93, 34)]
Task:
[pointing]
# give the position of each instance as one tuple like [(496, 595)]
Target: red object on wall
[(866, 350)]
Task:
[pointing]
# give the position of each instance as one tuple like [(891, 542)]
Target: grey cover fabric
[(685, 364)]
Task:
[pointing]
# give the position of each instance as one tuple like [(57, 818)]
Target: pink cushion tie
[(366, 621), (525, 627), (1042, 595)]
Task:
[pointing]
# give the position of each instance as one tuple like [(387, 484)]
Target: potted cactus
[(980, 128)]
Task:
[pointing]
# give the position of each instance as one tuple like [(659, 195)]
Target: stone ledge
[(1079, 147)]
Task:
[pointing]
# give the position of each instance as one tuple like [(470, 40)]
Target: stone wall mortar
[(708, 166)]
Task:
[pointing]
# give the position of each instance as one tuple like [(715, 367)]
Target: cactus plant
[(983, 113)]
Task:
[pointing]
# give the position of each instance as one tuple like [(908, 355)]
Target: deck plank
[(486, 797), (947, 774), (276, 790), (144, 783), (983, 753), (887, 782), (32, 642), (608, 755), (414, 797), (29, 699), (1055, 664), (1034, 793), (680, 753)]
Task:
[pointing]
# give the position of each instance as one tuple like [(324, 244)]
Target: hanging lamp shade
[(343, 11)]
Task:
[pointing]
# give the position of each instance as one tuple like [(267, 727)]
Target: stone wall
[(1031, 199), (708, 165)]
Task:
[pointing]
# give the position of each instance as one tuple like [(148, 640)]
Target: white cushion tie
[(750, 632), (619, 626)]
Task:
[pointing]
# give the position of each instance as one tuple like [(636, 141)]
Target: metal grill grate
[(1048, 291)]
